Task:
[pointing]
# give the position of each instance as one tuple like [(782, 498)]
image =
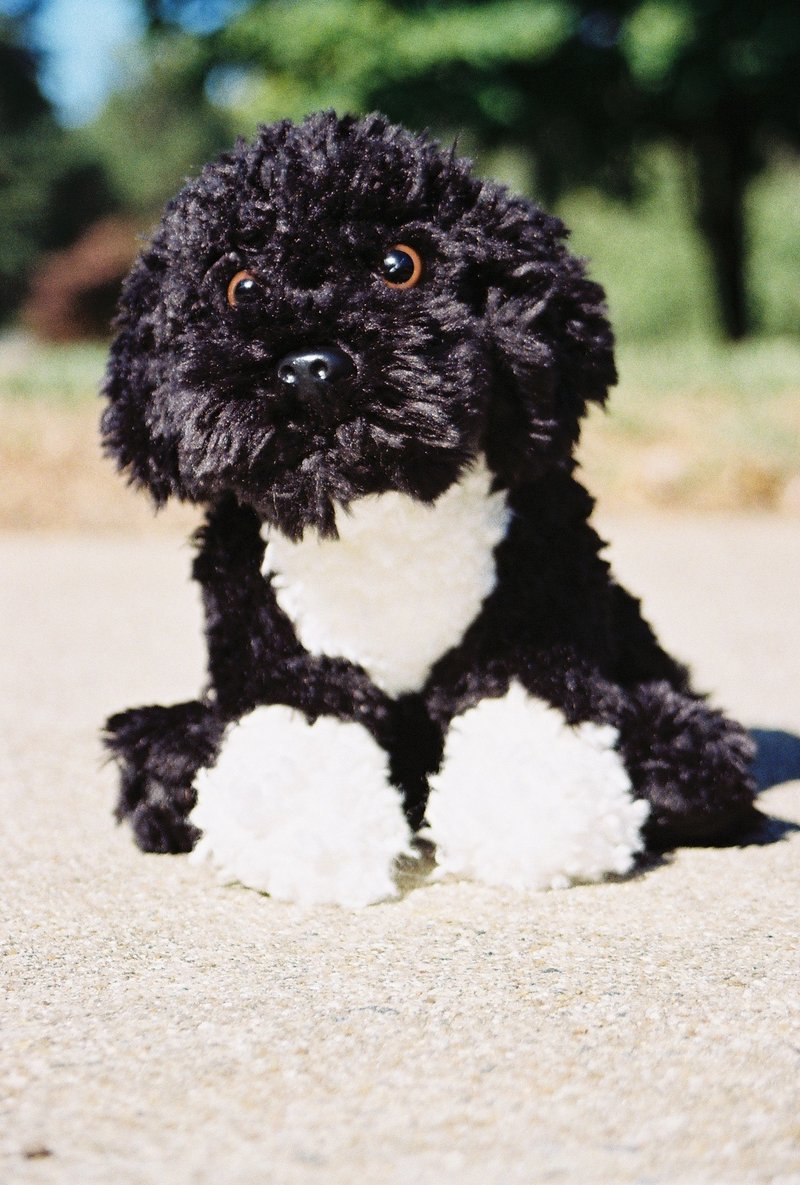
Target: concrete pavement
[(157, 1027)]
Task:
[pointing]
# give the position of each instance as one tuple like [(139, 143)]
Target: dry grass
[(698, 426), (695, 455), (55, 478), (692, 429)]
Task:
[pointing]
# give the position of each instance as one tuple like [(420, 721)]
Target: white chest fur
[(400, 585)]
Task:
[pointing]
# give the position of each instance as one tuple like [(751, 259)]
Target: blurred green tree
[(572, 92), (50, 189), (159, 126), (578, 87), (722, 79), (56, 182)]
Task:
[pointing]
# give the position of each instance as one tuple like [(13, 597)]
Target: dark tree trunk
[(723, 169)]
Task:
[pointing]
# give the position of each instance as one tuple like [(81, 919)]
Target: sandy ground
[(157, 1027)]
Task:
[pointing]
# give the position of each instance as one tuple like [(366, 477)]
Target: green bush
[(652, 261)]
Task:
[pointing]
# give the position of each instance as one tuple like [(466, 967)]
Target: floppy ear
[(552, 344), (129, 426)]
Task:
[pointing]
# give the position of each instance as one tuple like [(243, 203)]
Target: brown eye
[(243, 289), (401, 267)]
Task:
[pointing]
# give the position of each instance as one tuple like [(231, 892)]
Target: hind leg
[(691, 763), (158, 751)]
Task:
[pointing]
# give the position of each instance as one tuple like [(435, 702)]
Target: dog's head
[(342, 308)]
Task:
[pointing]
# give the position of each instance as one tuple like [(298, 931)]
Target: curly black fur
[(498, 350)]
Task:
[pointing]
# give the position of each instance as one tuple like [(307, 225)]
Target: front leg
[(301, 801), (528, 796), (255, 658), (560, 764), (302, 809), (530, 793), (159, 750)]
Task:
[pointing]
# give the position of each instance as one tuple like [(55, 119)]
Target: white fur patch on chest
[(400, 585)]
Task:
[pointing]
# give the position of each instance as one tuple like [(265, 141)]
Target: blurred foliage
[(708, 426), (664, 130), (653, 261), (511, 73), (55, 183), (578, 88), (49, 188), (73, 293), (160, 127), (773, 221)]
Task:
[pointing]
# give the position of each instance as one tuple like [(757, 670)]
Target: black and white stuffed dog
[(371, 367)]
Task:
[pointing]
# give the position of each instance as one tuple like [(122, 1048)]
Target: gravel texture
[(160, 1028)]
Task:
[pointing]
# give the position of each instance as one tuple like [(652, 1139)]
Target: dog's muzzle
[(313, 376)]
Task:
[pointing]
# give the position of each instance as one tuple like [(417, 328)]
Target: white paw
[(525, 800), (304, 812)]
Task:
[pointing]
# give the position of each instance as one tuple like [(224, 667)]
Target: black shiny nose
[(311, 373)]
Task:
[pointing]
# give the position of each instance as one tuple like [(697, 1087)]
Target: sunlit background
[(666, 133)]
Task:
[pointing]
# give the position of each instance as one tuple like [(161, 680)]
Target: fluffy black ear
[(129, 425), (552, 345)]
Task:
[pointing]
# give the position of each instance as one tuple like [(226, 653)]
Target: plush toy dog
[(371, 366)]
